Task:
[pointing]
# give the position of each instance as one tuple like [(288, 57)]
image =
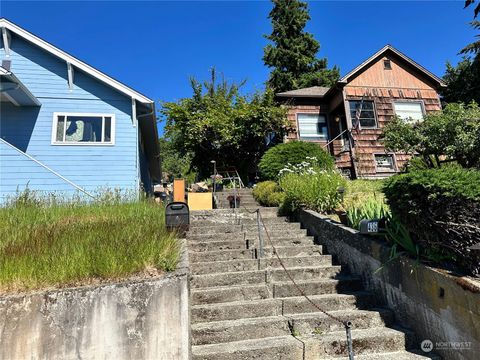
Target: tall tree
[(476, 9), (219, 123), (292, 53), (463, 80)]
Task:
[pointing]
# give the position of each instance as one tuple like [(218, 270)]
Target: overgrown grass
[(44, 244), (358, 192)]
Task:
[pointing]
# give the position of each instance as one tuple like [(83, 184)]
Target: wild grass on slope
[(44, 245)]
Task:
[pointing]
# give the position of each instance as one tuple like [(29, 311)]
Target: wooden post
[(179, 190)]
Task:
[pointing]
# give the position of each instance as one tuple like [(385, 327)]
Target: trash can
[(177, 216)]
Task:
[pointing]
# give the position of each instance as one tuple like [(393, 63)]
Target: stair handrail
[(48, 168), (347, 324)]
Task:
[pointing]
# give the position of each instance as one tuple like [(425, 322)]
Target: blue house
[(66, 127)]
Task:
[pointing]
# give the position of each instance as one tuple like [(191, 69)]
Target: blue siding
[(30, 129)]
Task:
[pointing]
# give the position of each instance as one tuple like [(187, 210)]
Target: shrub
[(454, 133), (295, 152), (317, 192), (372, 208), (268, 193), (441, 210)]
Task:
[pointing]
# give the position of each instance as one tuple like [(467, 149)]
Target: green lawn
[(42, 245)]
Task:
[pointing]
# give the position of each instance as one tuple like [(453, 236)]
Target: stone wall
[(144, 319), (439, 307)]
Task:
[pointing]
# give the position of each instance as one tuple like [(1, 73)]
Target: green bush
[(268, 193), (441, 210), (372, 208), (295, 152), (317, 192)]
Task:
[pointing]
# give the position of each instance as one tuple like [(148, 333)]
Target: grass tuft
[(45, 244)]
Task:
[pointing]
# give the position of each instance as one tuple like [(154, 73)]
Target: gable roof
[(389, 48), (4, 23), (314, 91)]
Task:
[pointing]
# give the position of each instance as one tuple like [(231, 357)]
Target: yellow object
[(179, 190), (200, 201)]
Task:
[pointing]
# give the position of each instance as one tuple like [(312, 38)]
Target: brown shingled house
[(387, 83)]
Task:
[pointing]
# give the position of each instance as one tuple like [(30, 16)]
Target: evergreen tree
[(463, 80), (292, 54)]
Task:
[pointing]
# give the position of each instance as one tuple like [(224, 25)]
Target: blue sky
[(155, 46)]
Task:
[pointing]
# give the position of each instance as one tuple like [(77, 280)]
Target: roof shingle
[(314, 91)]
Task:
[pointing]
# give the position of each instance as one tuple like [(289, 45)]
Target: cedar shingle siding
[(404, 81)]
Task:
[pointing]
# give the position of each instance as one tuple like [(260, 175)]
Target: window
[(312, 126), (409, 111), (384, 162), (83, 129), (387, 65), (367, 114)]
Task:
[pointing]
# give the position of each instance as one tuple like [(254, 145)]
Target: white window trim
[(384, 170), (421, 102), (318, 138), (55, 123), (374, 113)]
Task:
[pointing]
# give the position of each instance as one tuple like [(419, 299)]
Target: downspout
[(137, 117)]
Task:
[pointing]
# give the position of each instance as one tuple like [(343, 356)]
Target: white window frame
[(385, 170), (317, 138), (375, 117), (422, 106), (72, 143)]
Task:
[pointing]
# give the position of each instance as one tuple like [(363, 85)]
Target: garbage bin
[(177, 215)]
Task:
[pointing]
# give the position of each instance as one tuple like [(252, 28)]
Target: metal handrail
[(347, 324)]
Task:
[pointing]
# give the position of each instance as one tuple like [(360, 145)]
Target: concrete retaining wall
[(146, 319), (439, 307)]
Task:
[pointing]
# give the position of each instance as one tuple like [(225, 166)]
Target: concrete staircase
[(246, 198), (243, 307)]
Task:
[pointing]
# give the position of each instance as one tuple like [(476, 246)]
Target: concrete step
[(259, 276), (332, 302), (229, 218), (317, 323), (279, 306), (215, 245), (249, 234), (232, 228), (230, 293), (255, 328), (365, 341), (272, 348), (213, 267), (297, 261), (231, 221), (283, 252), (258, 264), (229, 213), (264, 211), (220, 255), (241, 329), (236, 310), (343, 284), (223, 294)]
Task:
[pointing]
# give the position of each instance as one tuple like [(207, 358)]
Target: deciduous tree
[(219, 123)]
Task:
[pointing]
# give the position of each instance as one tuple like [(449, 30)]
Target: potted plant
[(218, 181), (234, 201)]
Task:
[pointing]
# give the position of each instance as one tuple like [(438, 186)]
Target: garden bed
[(72, 244)]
